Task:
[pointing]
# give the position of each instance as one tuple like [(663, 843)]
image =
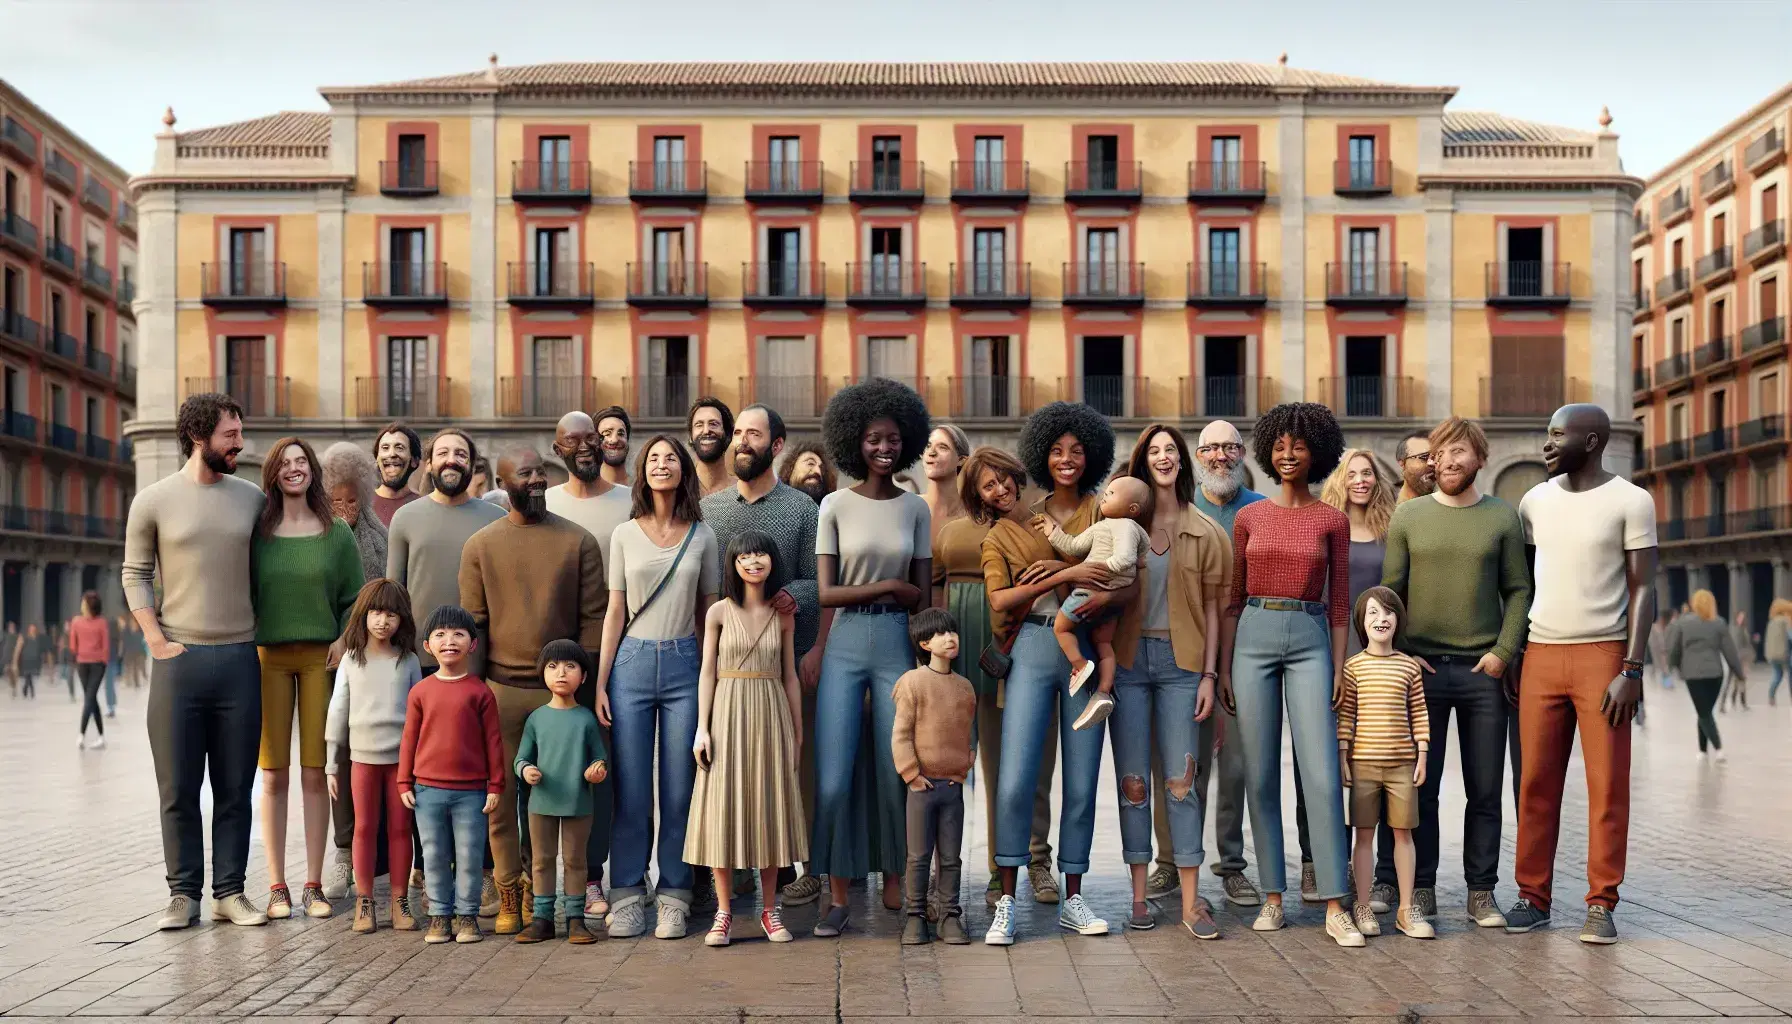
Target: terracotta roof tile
[(297, 132), (1474, 127)]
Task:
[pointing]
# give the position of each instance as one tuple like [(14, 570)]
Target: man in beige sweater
[(527, 578), (931, 743)]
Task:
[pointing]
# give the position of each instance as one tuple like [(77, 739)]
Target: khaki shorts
[(1370, 782)]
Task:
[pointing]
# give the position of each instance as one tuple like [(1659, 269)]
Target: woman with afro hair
[(1067, 448), (873, 561), (1286, 631)]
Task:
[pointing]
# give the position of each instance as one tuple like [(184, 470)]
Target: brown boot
[(527, 882), (539, 929), (365, 921), (510, 909), (402, 919), (579, 935)]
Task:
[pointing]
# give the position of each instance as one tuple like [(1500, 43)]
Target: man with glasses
[(1417, 477)]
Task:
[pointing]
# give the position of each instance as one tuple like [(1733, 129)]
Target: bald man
[(587, 497)]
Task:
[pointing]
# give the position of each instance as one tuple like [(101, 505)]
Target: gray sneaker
[(1599, 930), (181, 913), (673, 914), (238, 910), (1383, 897), (339, 875), (1045, 884), (1240, 891), (1483, 910), (628, 917), (1524, 917), (488, 896), (804, 890), (1424, 900), (1162, 882), (1309, 884)]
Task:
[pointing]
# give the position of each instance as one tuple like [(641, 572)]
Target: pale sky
[(1672, 71)]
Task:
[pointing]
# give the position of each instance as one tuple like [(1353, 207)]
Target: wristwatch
[(1632, 673)]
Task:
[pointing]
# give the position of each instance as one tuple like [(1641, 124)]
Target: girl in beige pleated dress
[(747, 807)]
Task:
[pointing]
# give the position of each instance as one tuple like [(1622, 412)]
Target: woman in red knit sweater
[(90, 640)]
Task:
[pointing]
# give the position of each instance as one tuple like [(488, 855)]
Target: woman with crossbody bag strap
[(664, 572)]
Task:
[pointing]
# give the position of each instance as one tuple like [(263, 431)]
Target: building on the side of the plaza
[(68, 283), (1708, 269), (1164, 241)]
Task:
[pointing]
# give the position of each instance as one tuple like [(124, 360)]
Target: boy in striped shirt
[(1383, 733)]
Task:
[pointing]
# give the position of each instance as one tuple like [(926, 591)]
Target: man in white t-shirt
[(1591, 538)]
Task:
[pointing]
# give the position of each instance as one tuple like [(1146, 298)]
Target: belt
[(1041, 619), (1285, 604), (975, 579), (874, 609)]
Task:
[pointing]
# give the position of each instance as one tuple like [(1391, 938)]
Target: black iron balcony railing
[(127, 218), (783, 284), (95, 276), (886, 282), (1761, 430), (242, 284), (59, 255), (409, 178), (127, 294), (783, 180), (1227, 285), (1226, 396), (1711, 442), (989, 396), (102, 528), (59, 522), (1673, 452), (1673, 286), (887, 181), (96, 197), (1769, 147), (662, 396), (1362, 178), (127, 380), (1714, 352), (1365, 284), (18, 233), (59, 170), (551, 181), (1103, 180), (98, 361), (65, 437), (125, 452), (63, 346), (668, 284), (20, 425), (1760, 520), (794, 396), (551, 284), (1115, 397), (1226, 180), (680, 180), (1766, 334), (417, 397), (404, 283), (1673, 368), (260, 397), (1528, 283), (14, 137), (1639, 231), (1765, 242), (1642, 303), (545, 397), (1639, 379), (1519, 395), (1715, 264), (1673, 207), (1366, 396), (1104, 283), (991, 179), (96, 447), (992, 284), (20, 328), (1717, 181)]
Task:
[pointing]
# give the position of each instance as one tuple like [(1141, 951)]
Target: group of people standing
[(744, 629), (88, 652)]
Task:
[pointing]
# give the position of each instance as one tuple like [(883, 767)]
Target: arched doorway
[(1518, 478)]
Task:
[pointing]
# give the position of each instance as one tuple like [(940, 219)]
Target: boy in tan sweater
[(931, 742)]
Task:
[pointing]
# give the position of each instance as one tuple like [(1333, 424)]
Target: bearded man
[(1417, 478), (426, 539), (806, 468), (711, 426), (398, 451), (587, 498), (613, 430)]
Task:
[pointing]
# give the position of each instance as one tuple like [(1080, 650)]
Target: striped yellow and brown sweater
[(1383, 716)]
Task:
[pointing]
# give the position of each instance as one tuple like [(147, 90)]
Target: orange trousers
[(1561, 688)]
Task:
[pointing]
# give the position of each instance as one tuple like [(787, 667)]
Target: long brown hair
[(687, 504), (970, 479), (316, 499), (1139, 464), (380, 595)]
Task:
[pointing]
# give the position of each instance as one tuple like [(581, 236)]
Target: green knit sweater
[(1462, 574), (305, 585)]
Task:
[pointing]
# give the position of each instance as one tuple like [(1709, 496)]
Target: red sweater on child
[(451, 736)]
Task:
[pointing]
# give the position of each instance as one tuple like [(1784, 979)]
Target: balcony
[(887, 181), (1673, 369), (63, 346), (1227, 285), (97, 361), (532, 181), (1715, 352), (1116, 398), (1673, 208), (990, 396), (1771, 519), (127, 382), (784, 285), (127, 218), (18, 234), (1765, 151), (668, 285), (64, 437), (95, 278), (1765, 243), (127, 294), (1527, 396), (1359, 285), (17, 141), (21, 426), (96, 447), (404, 285), (1362, 179), (783, 181), (1369, 397), (1670, 454), (1639, 232), (19, 329), (1642, 307), (96, 197), (545, 397), (1717, 182), (550, 285), (1639, 379), (1526, 284), (1715, 267), (1711, 442), (662, 396), (1002, 181), (1225, 396), (102, 528), (403, 398), (992, 285), (1763, 337), (261, 398), (794, 396), (1764, 430), (886, 284), (677, 181), (59, 171), (1241, 181), (1673, 288), (242, 285), (1102, 181), (410, 179), (59, 257), (1104, 284)]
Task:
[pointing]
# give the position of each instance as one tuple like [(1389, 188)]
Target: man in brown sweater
[(931, 743), (527, 578)]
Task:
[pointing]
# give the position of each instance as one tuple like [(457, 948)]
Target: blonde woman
[(1776, 642), (1362, 489), (1700, 647)]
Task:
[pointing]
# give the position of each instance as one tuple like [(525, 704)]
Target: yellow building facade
[(1164, 241)]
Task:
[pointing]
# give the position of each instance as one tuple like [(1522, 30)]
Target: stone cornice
[(1510, 182), (240, 183)]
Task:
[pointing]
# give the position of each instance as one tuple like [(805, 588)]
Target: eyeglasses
[(1417, 455), (1229, 448)]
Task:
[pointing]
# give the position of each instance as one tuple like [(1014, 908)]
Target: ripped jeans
[(1155, 697)]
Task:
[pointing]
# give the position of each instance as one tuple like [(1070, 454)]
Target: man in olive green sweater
[(527, 578), (1456, 557)]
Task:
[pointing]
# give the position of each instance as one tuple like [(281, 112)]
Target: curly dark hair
[(1305, 421), (830, 480), (1054, 421), (855, 407), (199, 416)]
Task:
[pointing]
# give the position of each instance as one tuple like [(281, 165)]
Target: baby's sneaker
[(1100, 707), (1080, 676)]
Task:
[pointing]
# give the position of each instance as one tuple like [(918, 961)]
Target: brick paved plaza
[(1706, 924)]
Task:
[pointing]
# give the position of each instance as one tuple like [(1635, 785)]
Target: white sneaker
[(1721, 759), (1001, 926), (238, 910), (339, 875), (1075, 915), (628, 917), (673, 914), (81, 742), (1100, 706), (1269, 919), (99, 743), (1081, 676)]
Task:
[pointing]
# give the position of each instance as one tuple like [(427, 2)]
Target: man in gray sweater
[(205, 681)]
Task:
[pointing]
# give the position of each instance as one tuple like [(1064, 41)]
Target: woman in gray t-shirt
[(873, 548)]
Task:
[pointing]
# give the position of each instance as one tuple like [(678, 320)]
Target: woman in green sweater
[(307, 573)]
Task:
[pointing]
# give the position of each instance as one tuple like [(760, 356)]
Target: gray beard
[(1222, 488)]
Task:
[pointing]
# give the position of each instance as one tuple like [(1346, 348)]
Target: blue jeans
[(865, 653), (1156, 696), (1286, 657), (452, 823), (1038, 683), (1779, 673), (653, 686)]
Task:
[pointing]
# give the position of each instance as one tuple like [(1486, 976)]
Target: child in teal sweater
[(561, 756)]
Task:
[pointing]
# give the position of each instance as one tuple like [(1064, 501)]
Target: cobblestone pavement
[(1706, 921)]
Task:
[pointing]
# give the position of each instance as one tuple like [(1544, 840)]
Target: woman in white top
[(664, 571)]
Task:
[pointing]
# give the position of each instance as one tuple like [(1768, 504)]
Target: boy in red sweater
[(450, 771)]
